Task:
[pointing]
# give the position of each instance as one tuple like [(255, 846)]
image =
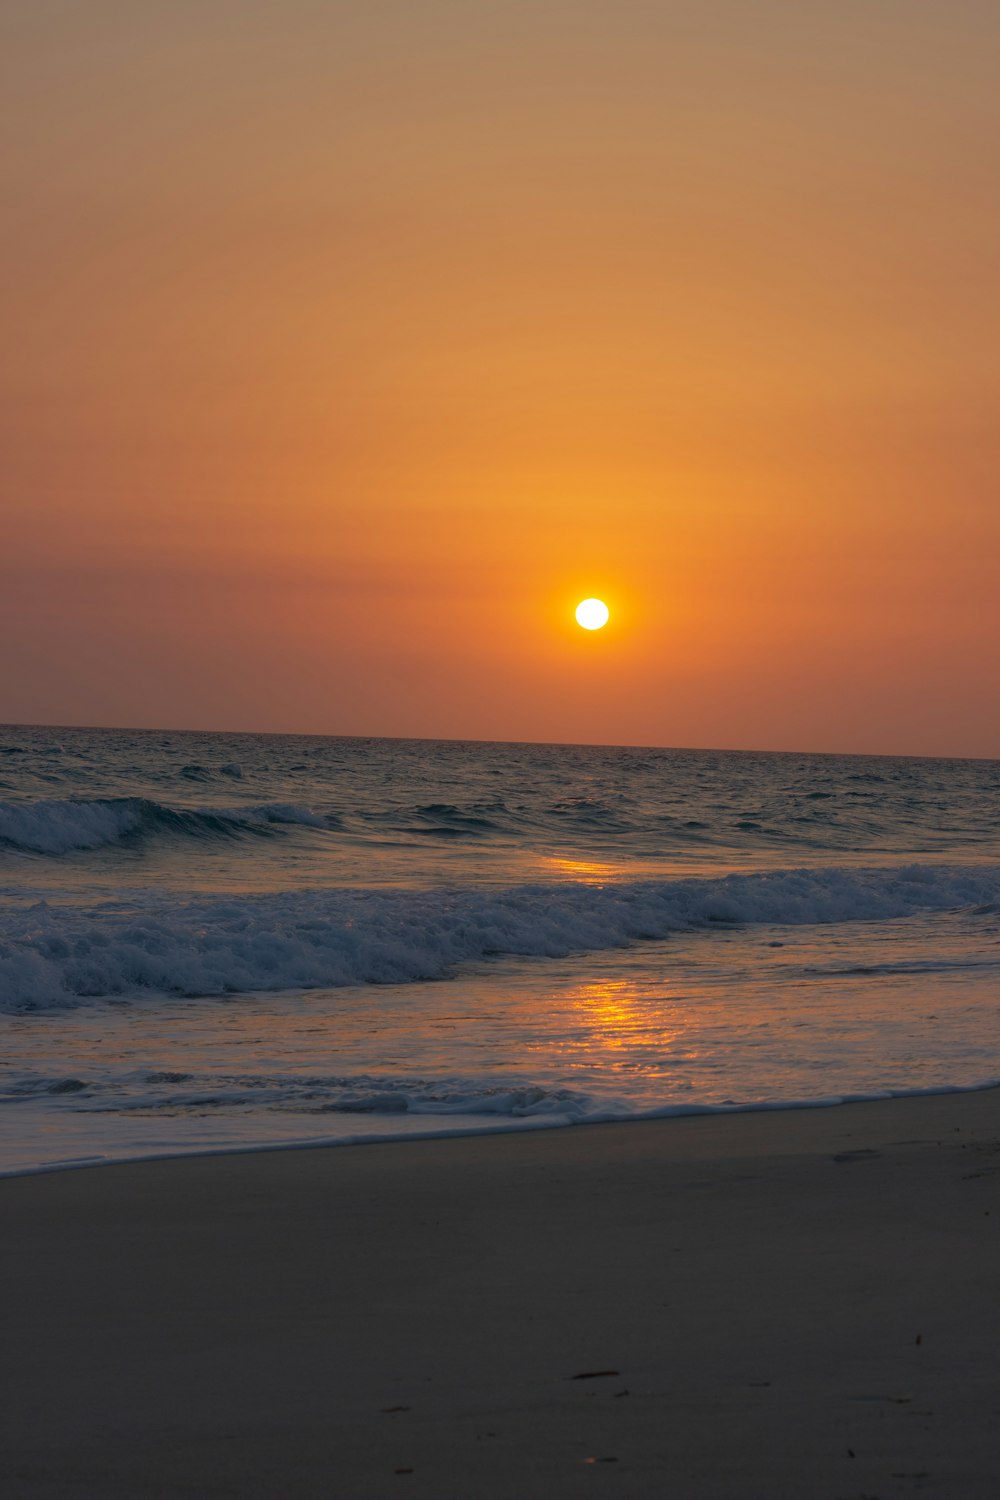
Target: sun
[(592, 614)]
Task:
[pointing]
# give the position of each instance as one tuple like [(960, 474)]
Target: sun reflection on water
[(627, 1027), (587, 871)]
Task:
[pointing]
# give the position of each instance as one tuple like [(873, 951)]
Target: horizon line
[(416, 739)]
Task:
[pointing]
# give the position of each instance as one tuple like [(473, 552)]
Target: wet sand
[(799, 1304)]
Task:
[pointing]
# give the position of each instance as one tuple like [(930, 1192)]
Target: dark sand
[(793, 1304)]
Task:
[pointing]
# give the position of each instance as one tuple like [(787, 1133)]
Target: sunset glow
[(377, 325)]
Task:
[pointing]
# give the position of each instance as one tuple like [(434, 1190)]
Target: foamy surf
[(52, 956)]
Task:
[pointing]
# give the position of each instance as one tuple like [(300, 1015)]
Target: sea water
[(215, 942)]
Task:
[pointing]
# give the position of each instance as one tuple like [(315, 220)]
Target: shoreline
[(793, 1302), (506, 1125)]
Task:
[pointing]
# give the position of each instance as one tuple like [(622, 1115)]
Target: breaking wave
[(57, 956), (58, 826)]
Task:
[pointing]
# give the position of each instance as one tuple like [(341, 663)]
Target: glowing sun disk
[(592, 614)]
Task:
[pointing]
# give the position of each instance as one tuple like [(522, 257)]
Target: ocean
[(214, 942)]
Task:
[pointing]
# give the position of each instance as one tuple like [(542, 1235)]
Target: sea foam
[(57, 956)]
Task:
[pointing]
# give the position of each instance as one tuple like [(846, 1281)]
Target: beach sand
[(780, 1304)]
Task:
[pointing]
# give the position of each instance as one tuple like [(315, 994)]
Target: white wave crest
[(58, 956)]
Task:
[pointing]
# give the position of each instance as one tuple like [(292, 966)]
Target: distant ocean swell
[(56, 956), (813, 821), (58, 826), (55, 826), (61, 825)]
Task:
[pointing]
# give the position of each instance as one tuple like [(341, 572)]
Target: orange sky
[(348, 346)]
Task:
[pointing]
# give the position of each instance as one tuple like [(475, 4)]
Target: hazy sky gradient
[(349, 345)]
